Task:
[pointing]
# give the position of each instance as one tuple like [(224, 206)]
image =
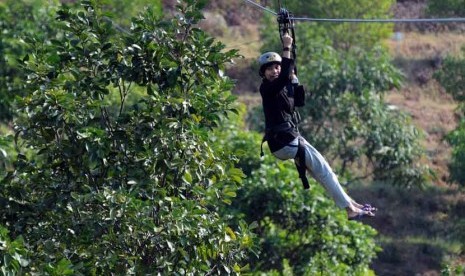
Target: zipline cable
[(260, 7), (359, 20), (405, 20)]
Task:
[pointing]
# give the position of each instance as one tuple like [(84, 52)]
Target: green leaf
[(188, 177), (230, 233)]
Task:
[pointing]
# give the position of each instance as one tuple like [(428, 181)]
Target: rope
[(358, 20)]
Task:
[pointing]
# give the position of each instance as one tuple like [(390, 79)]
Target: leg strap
[(261, 146), (301, 168)]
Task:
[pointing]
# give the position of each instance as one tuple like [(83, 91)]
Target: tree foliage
[(306, 229), (299, 232), (343, 36), (121, 167), (303, 228), (454, 8), (451, 77), (122, 176), (26, 18), (18, 19), (346, 116), (7, 152), (456, 139)]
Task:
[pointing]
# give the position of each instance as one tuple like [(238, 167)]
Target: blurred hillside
[(415, 225)]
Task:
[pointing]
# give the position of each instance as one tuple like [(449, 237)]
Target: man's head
[(270, 65)]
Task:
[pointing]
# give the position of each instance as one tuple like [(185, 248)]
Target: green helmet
[(268, 58)]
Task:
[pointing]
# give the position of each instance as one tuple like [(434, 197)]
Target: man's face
[(272, 72)]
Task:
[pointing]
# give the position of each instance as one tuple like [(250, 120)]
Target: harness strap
[(261, 146), (300, 164), (278, 128)]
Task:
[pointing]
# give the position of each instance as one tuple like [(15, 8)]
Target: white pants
[(319, 169)]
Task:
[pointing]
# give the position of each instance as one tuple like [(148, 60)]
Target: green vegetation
[(344, 36), (298, 232), (114, 184), (453, 8), (349, 121), (123, 151), (301, 230), (19, 19), (451, 78), (120, 165)]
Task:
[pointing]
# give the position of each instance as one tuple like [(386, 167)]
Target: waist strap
[(283, 127)]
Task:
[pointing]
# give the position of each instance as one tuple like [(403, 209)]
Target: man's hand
[(287, 41), (287, 44)]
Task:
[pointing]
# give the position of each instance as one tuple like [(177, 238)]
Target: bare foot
[(354, 212), (360, 206), (365, 207)]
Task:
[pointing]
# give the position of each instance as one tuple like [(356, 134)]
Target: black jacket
[(278, 106)]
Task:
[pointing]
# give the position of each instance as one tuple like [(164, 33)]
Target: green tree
[(347, 119), (343, 36), (456, 139), (7, 152), (299, 232), (14, 253), (450, 76), (124, 178), (18, 19), (454, 8), (303, 228), (26, 18)]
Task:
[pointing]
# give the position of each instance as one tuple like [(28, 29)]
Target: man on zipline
[(282, 135)]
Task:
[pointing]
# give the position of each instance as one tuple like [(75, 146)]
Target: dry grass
[(244, 37), (246, 41), (416, 46), (431, 108), (433, 113)]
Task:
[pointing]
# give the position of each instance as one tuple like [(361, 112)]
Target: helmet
[(268, 58)]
